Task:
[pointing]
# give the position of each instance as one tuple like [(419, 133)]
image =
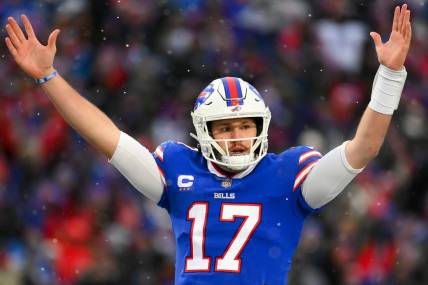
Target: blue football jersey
[(234, 230)]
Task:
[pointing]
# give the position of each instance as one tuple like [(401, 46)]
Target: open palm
[(393, 53), (33, 57)]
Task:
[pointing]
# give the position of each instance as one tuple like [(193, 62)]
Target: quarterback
[(237, 210)]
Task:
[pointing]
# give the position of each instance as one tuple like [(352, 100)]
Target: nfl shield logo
[(226, 183)]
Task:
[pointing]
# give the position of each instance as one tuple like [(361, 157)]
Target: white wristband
[(387, 87)]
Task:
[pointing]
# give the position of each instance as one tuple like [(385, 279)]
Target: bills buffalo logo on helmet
[(204, 95)]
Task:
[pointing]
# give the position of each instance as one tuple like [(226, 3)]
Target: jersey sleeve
[(163, 161), (174, 160), (160, 155), (302, 160), (307, 157)]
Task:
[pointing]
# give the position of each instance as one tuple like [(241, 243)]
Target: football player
[(236, 210)]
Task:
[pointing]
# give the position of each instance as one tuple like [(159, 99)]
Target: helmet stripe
[(238, 87), (232, 88), (226, 90)]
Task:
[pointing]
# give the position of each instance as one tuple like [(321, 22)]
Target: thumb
[(52, 39), (376, 38)]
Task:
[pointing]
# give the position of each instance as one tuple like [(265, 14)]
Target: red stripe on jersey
[(300, 177)]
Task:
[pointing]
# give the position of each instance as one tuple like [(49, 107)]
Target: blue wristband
[(46, 78)]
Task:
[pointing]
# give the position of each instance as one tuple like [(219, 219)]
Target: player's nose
[(236, 133)]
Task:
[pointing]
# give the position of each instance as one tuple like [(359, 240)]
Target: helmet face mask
[(230, 98)]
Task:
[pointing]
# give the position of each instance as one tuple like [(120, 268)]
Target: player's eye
[(247, 126), (221, 129)]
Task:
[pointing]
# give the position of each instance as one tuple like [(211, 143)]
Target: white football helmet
[(229, 98)]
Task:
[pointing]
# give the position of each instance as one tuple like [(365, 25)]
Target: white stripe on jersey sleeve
[(159, 152), (302, 174), (308, 155), (137, 164)]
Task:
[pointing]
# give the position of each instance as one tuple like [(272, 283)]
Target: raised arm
[(37, 61), (386, 91), (338, 167), (131, 158)]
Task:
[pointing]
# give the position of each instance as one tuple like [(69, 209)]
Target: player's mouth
[(239, 151)]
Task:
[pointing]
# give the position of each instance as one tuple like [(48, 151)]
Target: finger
[(52, 39), (376, 39), (405, 33), (16, 42), (11, 48), (28, 27), (16, 29), (401, 18), (406, 21), (395, 20), (408, 35)]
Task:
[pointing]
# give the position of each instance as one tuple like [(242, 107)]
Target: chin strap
[(238, 162)]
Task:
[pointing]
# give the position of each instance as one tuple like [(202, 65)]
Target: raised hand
[(33, 57), (393, 53)]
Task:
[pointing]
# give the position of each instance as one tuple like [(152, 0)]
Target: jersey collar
[(214, 169)]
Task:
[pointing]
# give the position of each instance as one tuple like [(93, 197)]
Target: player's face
[(235, 129)]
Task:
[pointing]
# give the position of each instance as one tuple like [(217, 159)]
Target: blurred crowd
[(68, 217)]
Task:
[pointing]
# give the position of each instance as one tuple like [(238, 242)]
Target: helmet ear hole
[(259, 124), (209, 125)]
